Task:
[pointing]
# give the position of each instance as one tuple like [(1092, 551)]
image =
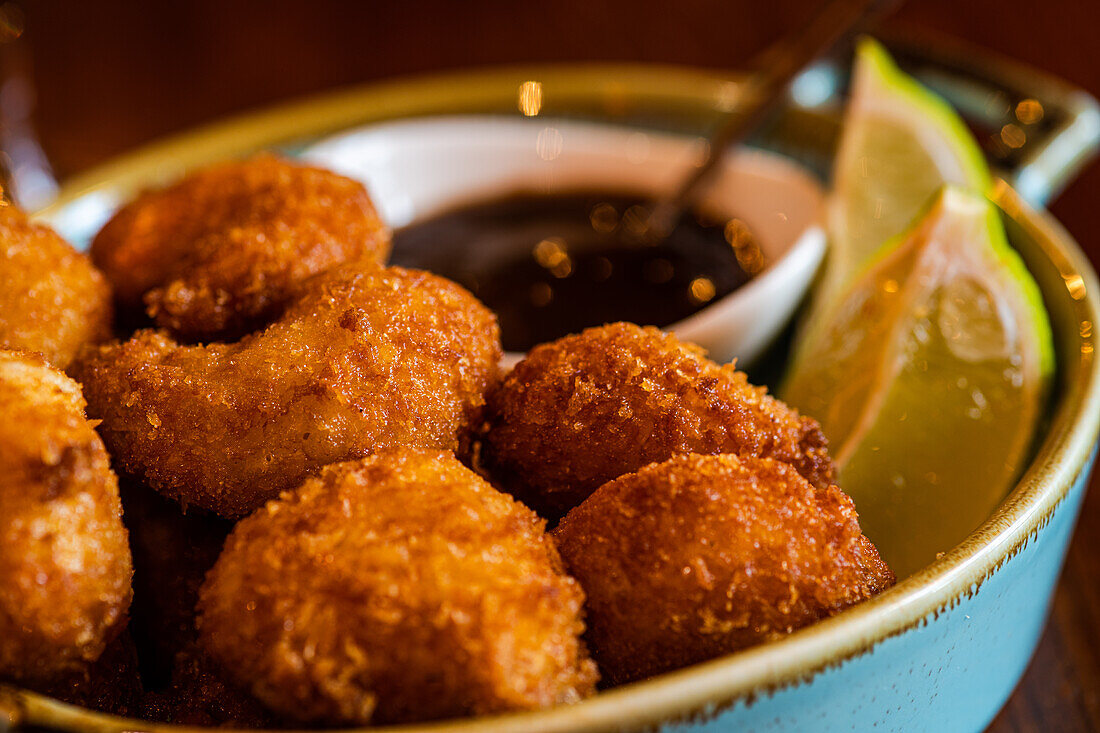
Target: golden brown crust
[(701, 556), (52, 300), (364, 358), (64, 558), (396, 588), (216, 253), (587, 408)]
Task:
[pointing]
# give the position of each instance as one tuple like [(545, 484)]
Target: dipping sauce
[(549, 265)]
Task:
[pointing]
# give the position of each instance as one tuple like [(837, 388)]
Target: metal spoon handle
[(762, 91)]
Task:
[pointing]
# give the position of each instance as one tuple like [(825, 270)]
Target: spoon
[(773, 71)]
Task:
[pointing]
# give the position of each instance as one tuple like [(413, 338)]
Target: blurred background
[(108, 75)]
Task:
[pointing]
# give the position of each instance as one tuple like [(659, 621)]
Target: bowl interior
[(654, 100)]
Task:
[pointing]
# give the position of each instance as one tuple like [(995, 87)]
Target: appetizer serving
[(404, 586), (342, 510)]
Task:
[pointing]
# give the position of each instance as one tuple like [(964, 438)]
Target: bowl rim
[(707, 688)]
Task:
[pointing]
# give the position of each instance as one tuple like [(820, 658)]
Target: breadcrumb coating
[(217, 253), (364, 358), (64, 559), (397, 588), (587, 408), (701, 556), (52, 300)]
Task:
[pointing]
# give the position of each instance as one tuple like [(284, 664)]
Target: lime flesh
[(900, 144), (929, 380)]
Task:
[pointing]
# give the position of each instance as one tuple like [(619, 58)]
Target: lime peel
[(900, 143), (935, 114), (929, 379)]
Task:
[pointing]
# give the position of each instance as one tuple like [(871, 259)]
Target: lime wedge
[(929, 378), (900, 143)]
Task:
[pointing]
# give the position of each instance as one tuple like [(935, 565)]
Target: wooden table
[(112, 74)]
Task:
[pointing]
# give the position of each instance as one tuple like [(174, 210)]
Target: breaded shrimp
[(587, 408), (64, 559), (52, 299), (397, 588), (364, 358), (701, 556), (220, 251)]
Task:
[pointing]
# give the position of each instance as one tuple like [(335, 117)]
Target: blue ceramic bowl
[(940, 651)]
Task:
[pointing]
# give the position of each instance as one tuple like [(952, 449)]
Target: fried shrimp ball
[(701, 556), (52, 299), (364, 358), (215, 254), (587, 408), (64, 559), (396, 588)]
